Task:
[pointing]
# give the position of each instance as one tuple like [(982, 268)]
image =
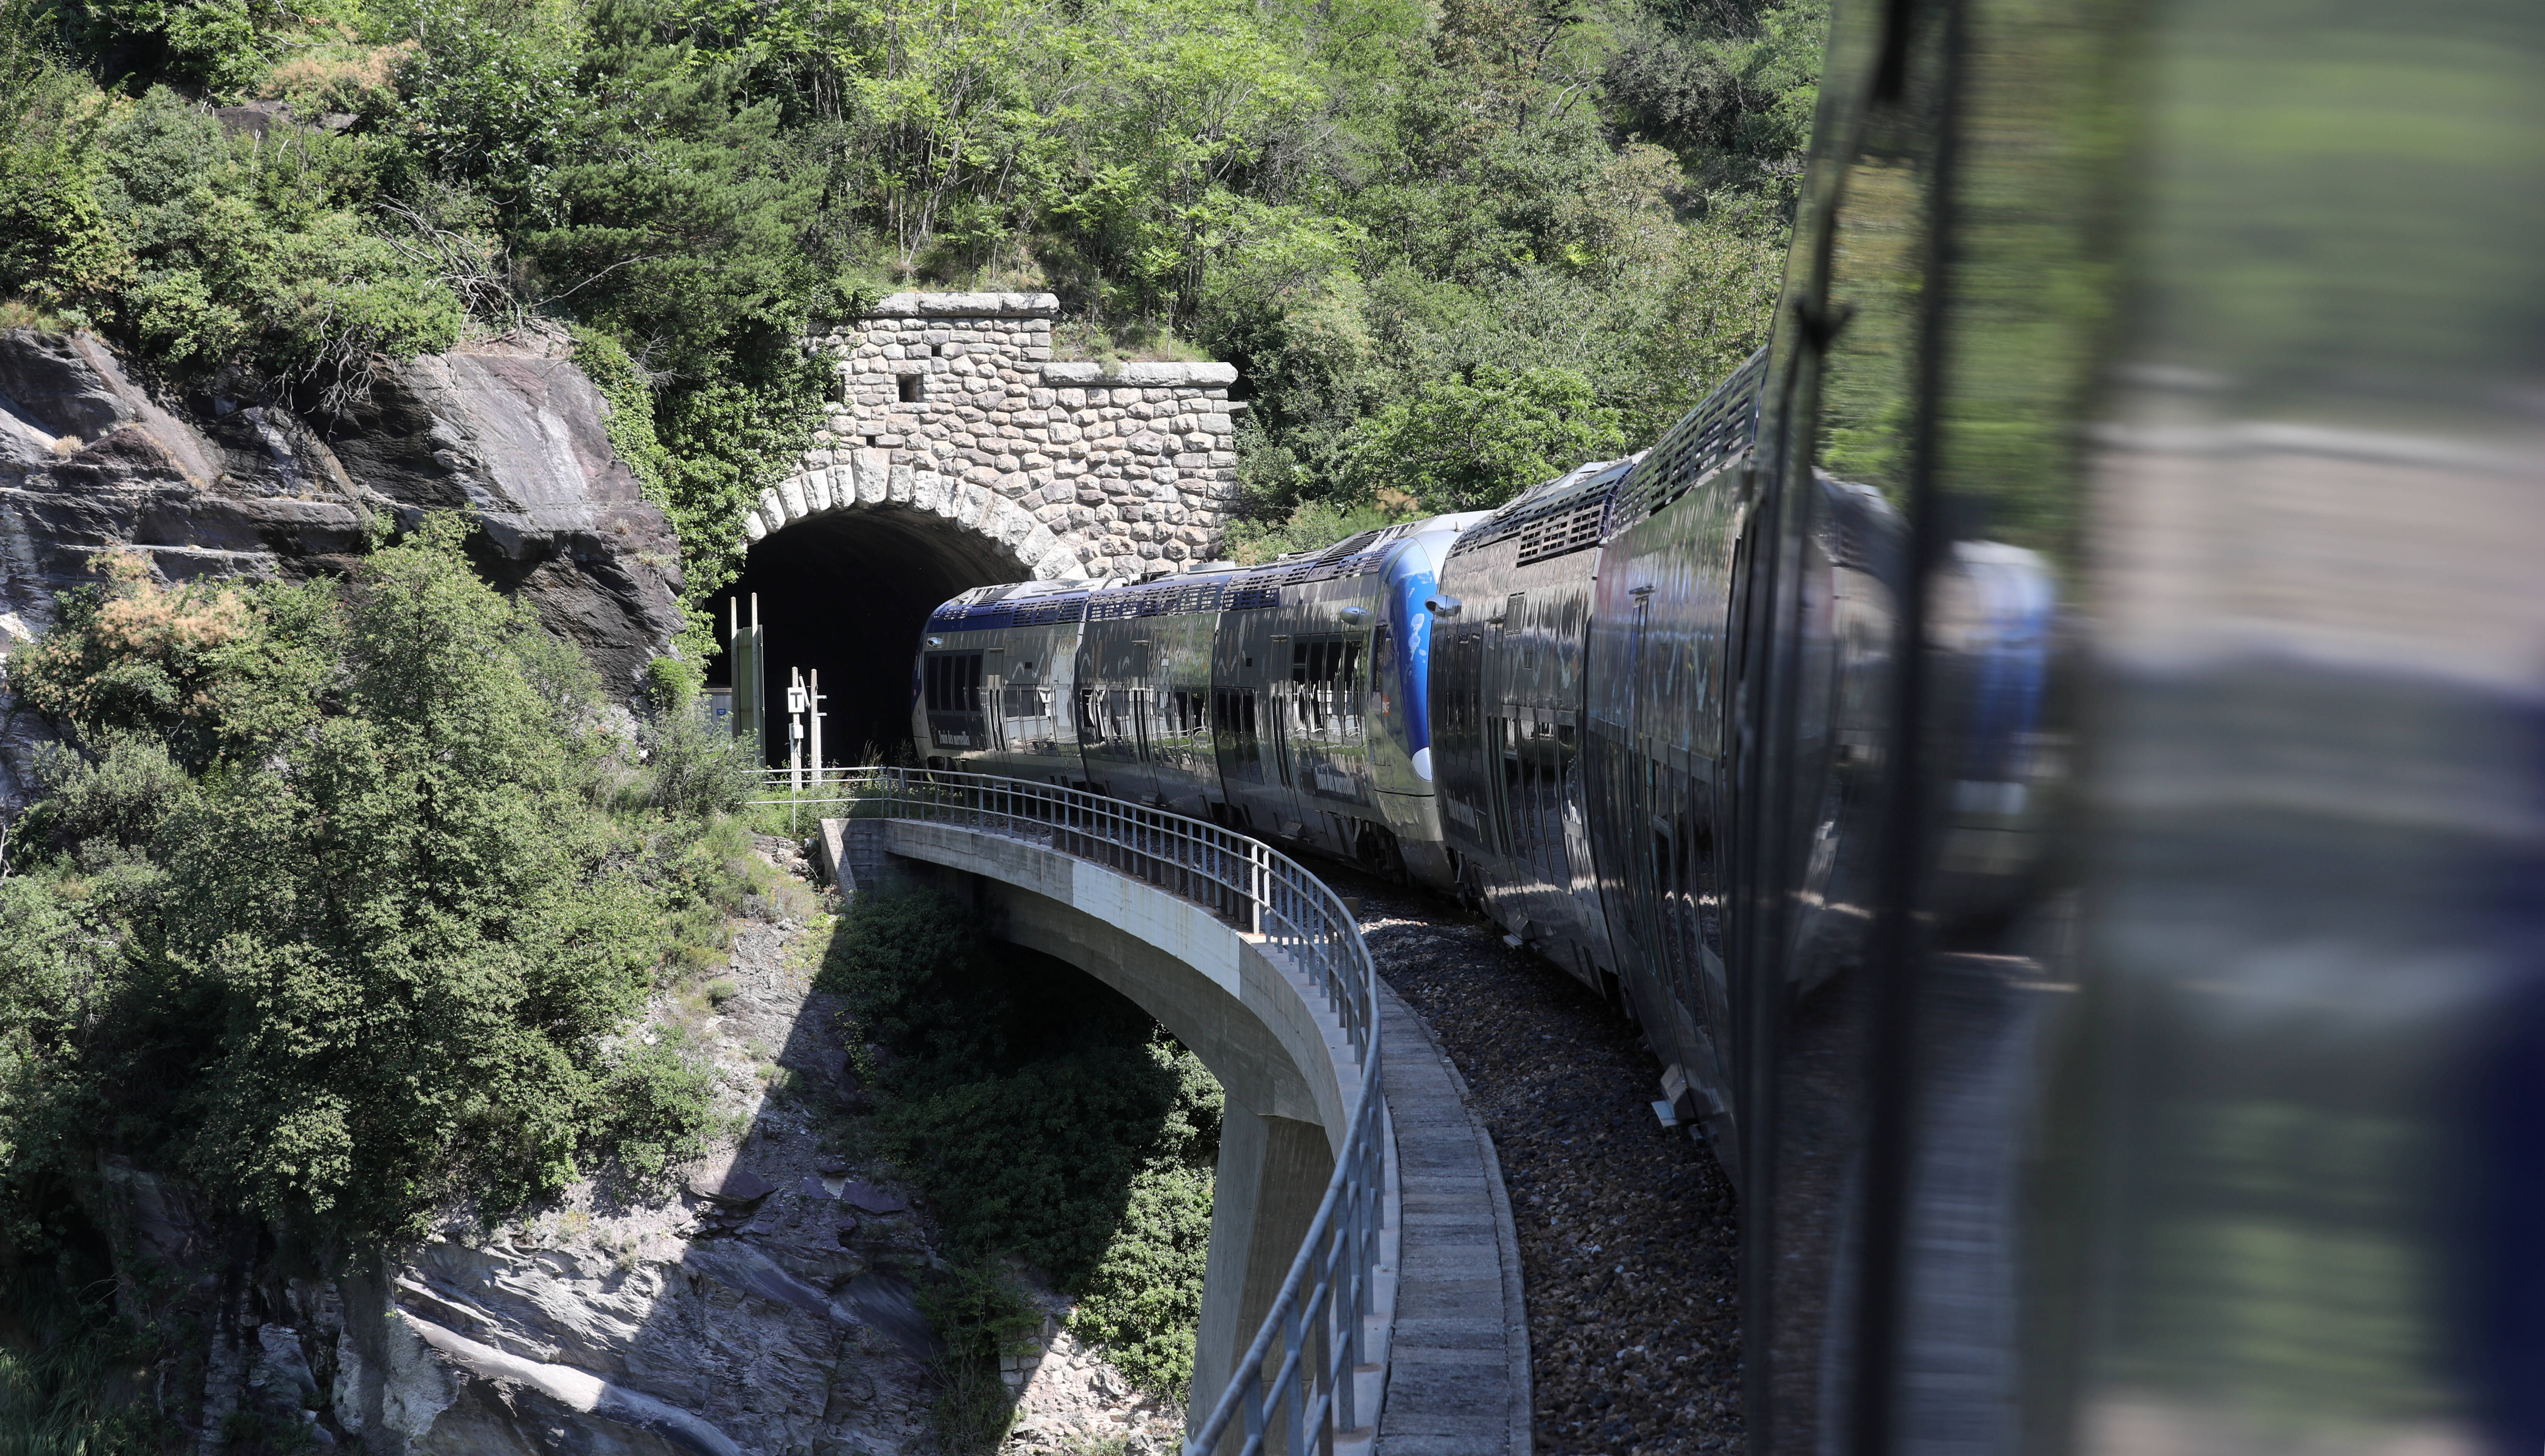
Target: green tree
[(369, 939), (1467, 446)]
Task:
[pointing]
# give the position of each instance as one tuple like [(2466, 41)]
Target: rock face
[(765, 1304), (209, 486)]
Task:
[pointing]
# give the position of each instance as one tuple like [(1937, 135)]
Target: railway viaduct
[(959, 453), (1445, 1369)]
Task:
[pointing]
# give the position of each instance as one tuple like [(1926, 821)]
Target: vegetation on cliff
[(337, 903), (1377, 209), (1050, 1120)]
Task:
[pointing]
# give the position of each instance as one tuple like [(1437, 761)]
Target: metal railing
[(1294, 1383)]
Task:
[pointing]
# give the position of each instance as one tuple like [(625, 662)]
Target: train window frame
[(1326, 682), (938, 689)]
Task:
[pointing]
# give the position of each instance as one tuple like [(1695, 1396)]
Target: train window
[(1503, 736), (1091, 729), (1232, 713), (1184, 712), (1027, 711), (1515, 624), (1325, 673), (952, 682)]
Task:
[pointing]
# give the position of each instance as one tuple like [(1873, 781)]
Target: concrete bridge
[(1357, 1214)]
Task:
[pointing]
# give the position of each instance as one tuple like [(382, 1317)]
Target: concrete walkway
[(1457, 1381)]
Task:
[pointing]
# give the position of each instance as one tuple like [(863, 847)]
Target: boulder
[(93, 456), (869, 1198), (737, 1188)]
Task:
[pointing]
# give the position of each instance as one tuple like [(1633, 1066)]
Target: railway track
[(1627, 1230)]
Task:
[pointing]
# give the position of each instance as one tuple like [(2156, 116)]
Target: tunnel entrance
[(846, 592)]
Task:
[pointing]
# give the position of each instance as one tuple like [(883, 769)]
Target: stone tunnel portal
[(847, 593)]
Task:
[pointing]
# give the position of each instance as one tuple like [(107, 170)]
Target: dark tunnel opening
[(845, 594)]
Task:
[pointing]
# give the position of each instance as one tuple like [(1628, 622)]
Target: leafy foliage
[(1367, 204), (332, 922), (1048, 1118), (1463, 445)]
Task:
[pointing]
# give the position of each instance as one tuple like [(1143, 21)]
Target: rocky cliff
[(92, 456), (765, 1302)]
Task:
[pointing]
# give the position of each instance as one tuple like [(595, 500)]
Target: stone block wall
[(952, 403)]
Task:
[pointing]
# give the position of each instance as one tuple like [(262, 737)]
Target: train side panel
[(1517, 591), (1144, 681), (995, 678), (1293, 659), (1656, 742)]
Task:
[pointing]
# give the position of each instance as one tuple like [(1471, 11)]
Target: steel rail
[(1318, 1324)]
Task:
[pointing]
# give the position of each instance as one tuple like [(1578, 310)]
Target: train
[(1431, 700), (2048, 751)]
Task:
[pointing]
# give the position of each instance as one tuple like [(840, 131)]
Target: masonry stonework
[(950, 403)]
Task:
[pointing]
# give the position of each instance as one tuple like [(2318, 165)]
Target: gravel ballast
[(1627, 1230)]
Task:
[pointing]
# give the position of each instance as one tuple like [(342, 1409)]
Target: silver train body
[(1580, 670), (1288, 700)]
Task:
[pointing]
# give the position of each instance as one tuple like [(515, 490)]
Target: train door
[(1244, 716), (1544, 744), (951, 684), (1114, 708), (1502, 732), (1326, 687)]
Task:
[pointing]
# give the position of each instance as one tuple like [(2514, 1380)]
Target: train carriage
[(1144, 683), (1321, 687), (1512, 614), (996, 676)]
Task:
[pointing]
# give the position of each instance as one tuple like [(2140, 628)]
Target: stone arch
[(855, 480), (952, 403), (846, 592)]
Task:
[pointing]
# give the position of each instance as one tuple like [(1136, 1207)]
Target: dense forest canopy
[(1452, 248)]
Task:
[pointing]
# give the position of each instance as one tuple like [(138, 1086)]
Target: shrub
[(695, 766), (386, 941), (1468, 446)]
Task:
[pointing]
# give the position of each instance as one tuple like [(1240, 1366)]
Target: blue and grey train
[(1289, 700), (2049, 752), (1436, 700)]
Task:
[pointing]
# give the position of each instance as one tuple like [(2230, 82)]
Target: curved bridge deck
[(1362, 1287)]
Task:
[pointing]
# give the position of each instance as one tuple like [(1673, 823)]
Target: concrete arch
[(1245, 1006), (853, 480)]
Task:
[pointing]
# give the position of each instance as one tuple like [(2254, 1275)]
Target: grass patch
[(72, 1377)]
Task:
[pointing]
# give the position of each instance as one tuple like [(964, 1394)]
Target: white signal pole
[(796, 707), (813, 704)]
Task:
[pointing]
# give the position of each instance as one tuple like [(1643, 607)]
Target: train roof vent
[(1158, 599), (1043, 610), (1263, 586), (1719, 430), (1565, 515)]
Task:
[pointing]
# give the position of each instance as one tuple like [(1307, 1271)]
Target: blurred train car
[(2113, 817), (2050, 750)]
